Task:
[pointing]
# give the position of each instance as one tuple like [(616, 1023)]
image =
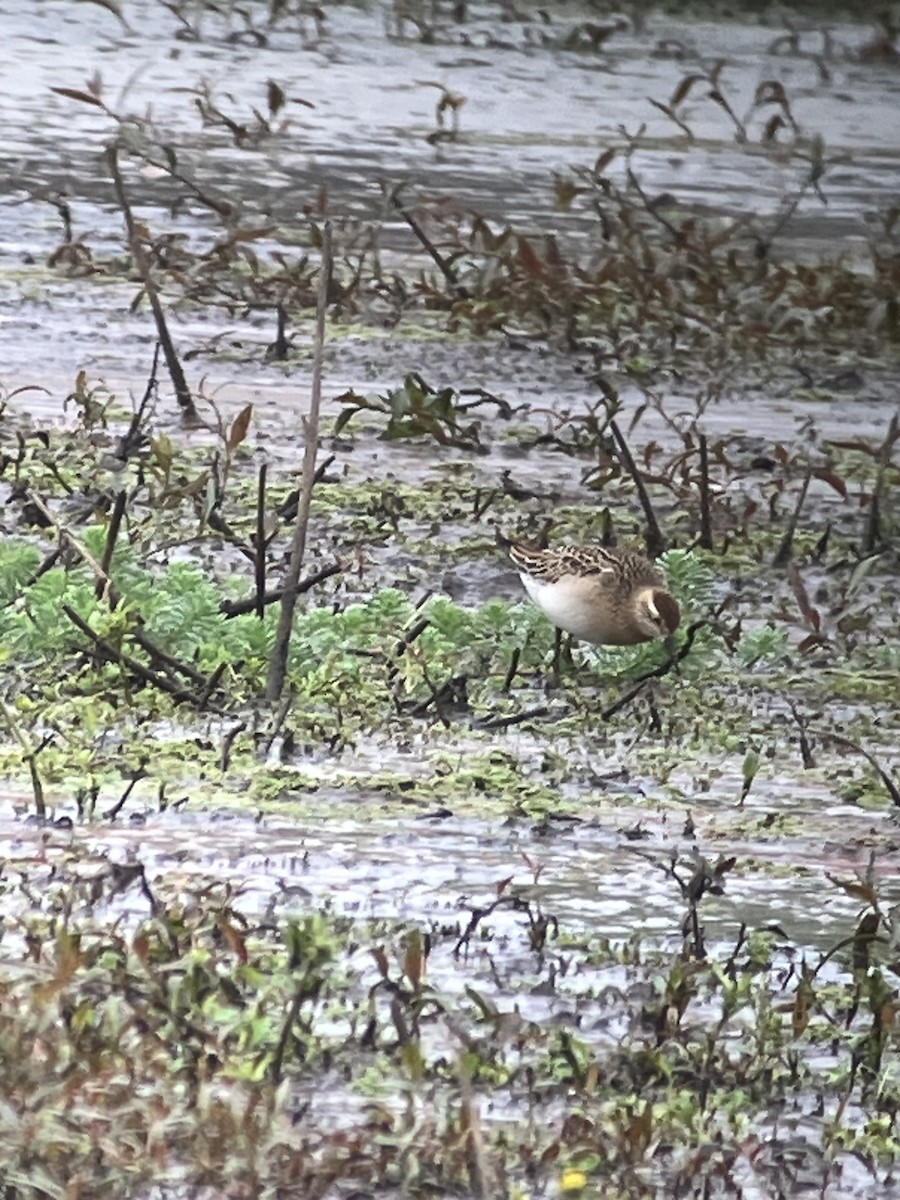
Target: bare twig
[(210, 686), (847, 744), (260, 564), (112, 533), (137, 669), (176, 372), (786, 549), (872, 533), (445, 267), (139, 774), (805, 749), (654, 539), (48, 563), (657, 672), (29, 754), (278, 661), (512, 669), (132, 438), (706, 538), (239, 608), (105, 586), (514, 719), (277, 725), (277, 1064)]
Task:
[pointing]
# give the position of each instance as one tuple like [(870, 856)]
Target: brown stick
[(132, 437), (657, 672), (513, 719), (655, 541), (239, 608), (786, 549), (144, 674), (706, 538), (260, 564), (106, 586), (170, 663), (278, 661), (176, 373), (112, 533), (47, 565), (846, 744), (872, 534), (445, 268)]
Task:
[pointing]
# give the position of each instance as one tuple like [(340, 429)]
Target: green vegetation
[(185, 1044), (179, 1021)]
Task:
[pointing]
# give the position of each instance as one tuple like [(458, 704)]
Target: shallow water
[(373, 112), (599, 862), (603, 874)]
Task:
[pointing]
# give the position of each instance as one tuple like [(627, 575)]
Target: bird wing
[(551, 565)]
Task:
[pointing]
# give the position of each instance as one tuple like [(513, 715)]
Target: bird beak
[(671, 645)]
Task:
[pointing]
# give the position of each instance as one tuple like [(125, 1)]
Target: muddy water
[(371, 119), (603, 873), (373, 111)]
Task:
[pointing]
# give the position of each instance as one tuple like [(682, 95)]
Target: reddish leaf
[(529, 259), (798, 587), (857, 889), (239, 427), (75, 94), (832, 480), (664, 108), (684, 87), (235, 940), (603, 161), (275, 97)]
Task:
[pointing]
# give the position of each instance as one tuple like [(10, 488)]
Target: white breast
[(570, 604)]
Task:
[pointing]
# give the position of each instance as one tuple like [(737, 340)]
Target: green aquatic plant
[(692, 579), (357, 654), (415, 409)]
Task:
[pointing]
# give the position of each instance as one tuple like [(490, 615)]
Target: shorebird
[(608, 597)]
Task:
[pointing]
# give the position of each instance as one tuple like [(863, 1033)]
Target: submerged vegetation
[(190, 1047), (172, 1029)]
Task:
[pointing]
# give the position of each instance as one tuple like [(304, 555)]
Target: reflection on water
[(373, 111), (594, 876)]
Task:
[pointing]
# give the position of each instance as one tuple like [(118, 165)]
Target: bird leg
[(562, 656), (513, 668), (557, 654)]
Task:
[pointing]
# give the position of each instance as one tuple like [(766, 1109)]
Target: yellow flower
[(573, 1181)]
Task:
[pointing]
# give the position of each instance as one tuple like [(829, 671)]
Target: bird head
[(658, 614)]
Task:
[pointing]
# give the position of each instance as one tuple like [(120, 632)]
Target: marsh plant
[(171, 1036), (344, 652)]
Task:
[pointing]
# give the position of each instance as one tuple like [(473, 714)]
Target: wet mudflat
[(445, 920)]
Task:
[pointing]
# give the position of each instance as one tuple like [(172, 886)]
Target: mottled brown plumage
[(608, 597)]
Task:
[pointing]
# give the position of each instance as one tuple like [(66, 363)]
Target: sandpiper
[(608, 597)]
